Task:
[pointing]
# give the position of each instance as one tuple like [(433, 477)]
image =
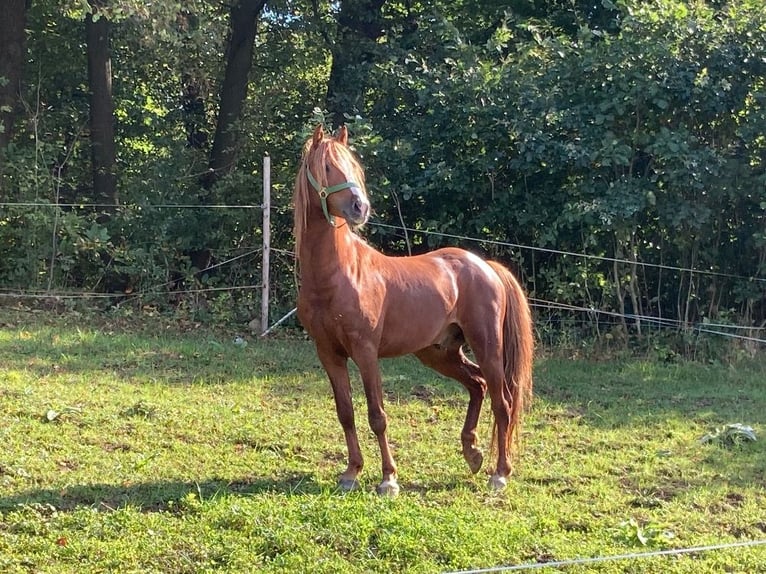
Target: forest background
[(632, 133)]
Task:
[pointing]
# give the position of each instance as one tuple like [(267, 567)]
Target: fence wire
[(127, 205), (709, 328), (659, 321), (613, 558), (574, 253)]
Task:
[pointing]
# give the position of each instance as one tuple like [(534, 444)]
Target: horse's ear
[(318, 135), (342, 136)]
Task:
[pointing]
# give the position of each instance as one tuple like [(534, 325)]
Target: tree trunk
[(360, 24), (13, 17), (244, 17), (102, 145)]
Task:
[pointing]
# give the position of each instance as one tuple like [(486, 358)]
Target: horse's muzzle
[(357, 211)]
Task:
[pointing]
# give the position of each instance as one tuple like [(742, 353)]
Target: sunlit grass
[(168, 448)]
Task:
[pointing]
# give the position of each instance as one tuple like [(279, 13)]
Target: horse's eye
[(327, 168)]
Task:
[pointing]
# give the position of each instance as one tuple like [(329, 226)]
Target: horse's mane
[(315, 157)]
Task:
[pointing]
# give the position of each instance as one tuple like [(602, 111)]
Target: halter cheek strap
[(325, 191)]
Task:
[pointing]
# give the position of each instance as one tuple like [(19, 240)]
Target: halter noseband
[(325, 191)]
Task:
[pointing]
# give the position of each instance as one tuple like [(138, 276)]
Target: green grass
[(161, 447)]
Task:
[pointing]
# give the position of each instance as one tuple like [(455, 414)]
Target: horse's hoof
[(388, 488), (475, 459), (497, 482), (348, 484)]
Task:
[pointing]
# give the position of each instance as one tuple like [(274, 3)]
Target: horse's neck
[(327, 250)]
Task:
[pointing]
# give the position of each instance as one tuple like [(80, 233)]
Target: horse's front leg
[(337, 369), (373, 389)]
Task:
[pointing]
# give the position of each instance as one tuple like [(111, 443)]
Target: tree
[(103, 149), (354, 51), (626, 130), (244, 17), (13, 15)]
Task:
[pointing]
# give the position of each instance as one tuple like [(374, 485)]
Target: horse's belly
[(409, 329)]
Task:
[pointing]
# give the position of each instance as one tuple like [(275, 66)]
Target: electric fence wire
[(572, 253), (613, 558), (410, 230), (406, 230), (715, 329), (153, 290), (133, 295), (139, 206), (659, 321), (662, 321)]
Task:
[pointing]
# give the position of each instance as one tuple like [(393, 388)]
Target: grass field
[(166, 447)]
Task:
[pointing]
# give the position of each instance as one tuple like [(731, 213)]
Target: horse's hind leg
[(337, 369), (486, 341), (492, 366), (452, 362)]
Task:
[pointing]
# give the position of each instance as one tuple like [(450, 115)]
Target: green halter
[(325, 191)]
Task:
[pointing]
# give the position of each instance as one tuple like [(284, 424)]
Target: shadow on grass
[(602, 394), (160, 357), (607, 394), (160, 496), (612, 394)]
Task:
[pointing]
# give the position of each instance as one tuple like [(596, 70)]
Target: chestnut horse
[(357, 303)]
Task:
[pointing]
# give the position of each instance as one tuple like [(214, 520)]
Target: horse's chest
[(333, 315)]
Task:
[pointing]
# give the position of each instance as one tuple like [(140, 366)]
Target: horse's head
[(330, 181)]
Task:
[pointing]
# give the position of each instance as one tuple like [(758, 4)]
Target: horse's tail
[(518, 349)]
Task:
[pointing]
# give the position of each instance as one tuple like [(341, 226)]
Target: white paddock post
[(266, 243), (278, 323)]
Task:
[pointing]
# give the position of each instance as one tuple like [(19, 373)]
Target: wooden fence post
[(266, 243)]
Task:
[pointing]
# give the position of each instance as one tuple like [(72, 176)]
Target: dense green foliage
[(159, 446), (631, 131)]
